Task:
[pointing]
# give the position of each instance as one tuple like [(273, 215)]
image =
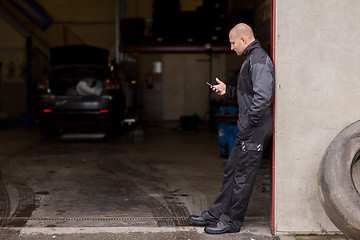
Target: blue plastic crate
[(228, 110), (226, 138), (233, 132), (223, 138)]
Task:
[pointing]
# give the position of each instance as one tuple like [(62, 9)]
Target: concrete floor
[(121, 186)]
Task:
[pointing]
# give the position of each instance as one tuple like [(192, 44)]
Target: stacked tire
[(338, 194)]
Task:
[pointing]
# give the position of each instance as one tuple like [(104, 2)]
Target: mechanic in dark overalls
[(254, 96)]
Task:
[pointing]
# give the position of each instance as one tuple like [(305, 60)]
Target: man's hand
[(220, 88)]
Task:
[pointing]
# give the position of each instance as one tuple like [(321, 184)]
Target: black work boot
[(204, 219), (220, 228)]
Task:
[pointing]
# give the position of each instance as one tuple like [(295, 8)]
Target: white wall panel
[(317, 85)]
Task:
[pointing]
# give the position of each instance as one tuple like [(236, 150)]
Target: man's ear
[(242, 40)]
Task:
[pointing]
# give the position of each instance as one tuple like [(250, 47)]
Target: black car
[(81, 91)]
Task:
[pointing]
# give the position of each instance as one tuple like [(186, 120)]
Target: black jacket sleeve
[(263, 87)]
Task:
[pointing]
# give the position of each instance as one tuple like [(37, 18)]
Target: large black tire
[(338, 194)]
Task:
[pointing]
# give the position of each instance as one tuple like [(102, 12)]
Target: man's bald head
[(243, 30), (240, 37)]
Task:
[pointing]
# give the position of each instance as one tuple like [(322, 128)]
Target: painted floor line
[(91, 230)]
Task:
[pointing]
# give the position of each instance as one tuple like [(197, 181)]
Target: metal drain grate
[(122, 219)]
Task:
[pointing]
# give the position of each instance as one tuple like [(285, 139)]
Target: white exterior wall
[(317, 59)]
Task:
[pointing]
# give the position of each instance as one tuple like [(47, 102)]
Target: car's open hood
[(79, 55)]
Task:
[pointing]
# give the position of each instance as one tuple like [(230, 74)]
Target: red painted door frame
[(272, 53)]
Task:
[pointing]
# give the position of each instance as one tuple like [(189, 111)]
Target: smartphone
[(212, 86)]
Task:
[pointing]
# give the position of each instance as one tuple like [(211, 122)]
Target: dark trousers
[(240, 174)]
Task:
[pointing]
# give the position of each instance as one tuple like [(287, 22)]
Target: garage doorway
[(256, 13)]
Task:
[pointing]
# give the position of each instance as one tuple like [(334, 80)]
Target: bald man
[(254, 95)]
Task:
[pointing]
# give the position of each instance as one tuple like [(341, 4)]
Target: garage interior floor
[(157, 180)]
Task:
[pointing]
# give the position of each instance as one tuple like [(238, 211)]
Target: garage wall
[(77, 22), (317, 84), (181, 87), (185, 90), (12, 73)]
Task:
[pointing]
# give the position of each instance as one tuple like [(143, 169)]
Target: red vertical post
[(272, 53)]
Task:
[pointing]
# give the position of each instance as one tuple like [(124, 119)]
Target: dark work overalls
[(254, 95)]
